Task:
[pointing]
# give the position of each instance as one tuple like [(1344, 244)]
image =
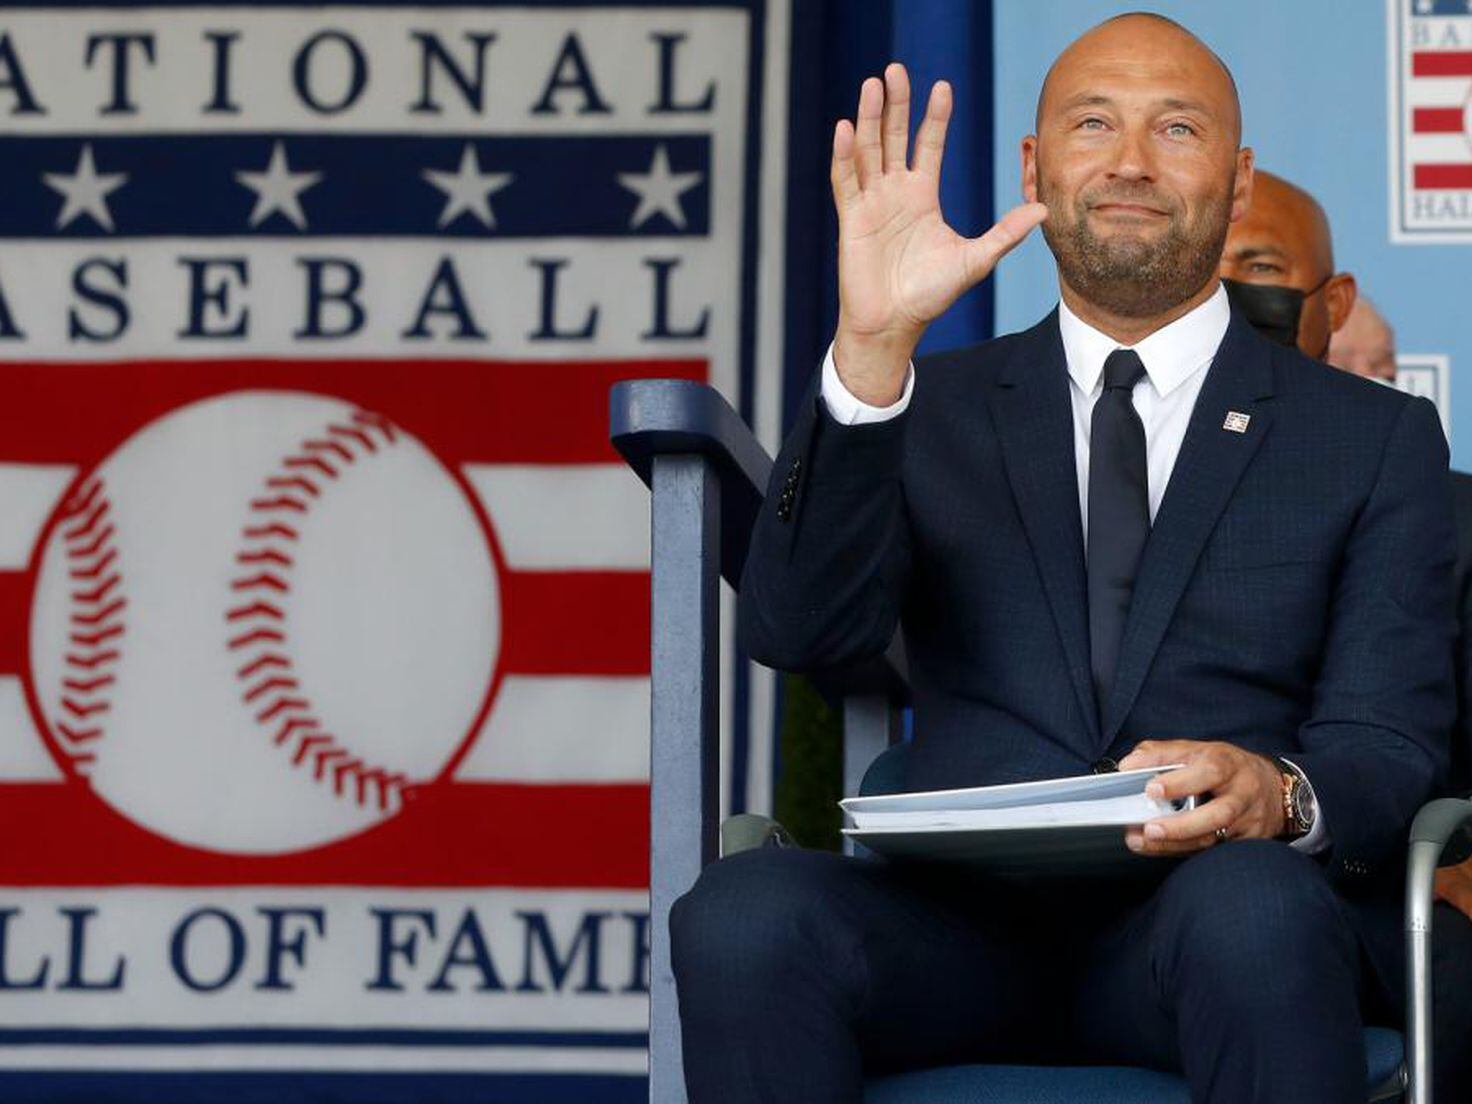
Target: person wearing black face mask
[(1278, 268)]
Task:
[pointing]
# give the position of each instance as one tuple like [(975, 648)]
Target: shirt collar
[(1171, 355)]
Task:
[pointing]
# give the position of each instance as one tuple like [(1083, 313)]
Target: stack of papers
[(1056, 825)]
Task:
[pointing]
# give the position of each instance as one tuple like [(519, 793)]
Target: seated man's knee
[(1250, 909), (749, 916)]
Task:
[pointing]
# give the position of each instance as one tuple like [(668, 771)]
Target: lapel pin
[(1236, 421)]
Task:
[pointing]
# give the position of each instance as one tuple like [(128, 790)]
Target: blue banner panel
[(363, 186)]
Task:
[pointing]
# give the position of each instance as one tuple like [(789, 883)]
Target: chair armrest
[(1442, 822), (666, 417), (1435, 826), (748, 831)]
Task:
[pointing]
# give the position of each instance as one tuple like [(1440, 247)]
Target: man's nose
[(1134, 156)]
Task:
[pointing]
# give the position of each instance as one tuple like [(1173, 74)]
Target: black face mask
[(1273, 310)]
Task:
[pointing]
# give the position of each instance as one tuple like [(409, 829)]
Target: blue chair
[(707, 475)]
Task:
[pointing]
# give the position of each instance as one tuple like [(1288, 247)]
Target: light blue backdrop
[(1313, 78)]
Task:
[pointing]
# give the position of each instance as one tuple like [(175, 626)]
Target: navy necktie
[(1119, 513)]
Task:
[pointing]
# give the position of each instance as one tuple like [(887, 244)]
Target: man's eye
[(1092, 123), (1262, 268), (1180, 130)]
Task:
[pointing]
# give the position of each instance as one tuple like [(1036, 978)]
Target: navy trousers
[(1451, 988), (801, 972)]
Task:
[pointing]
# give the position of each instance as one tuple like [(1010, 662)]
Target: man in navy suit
[(1138, 533)]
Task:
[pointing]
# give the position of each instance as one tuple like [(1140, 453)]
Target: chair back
[(707, 475)]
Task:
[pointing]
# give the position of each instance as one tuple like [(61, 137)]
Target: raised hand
[(899, 265)]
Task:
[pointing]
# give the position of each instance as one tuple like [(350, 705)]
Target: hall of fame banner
[(324, 630), (1430, 118)]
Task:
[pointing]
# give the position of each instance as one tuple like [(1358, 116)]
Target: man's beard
[(1131, 277)]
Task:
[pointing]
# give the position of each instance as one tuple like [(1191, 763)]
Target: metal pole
[(1420, 872)]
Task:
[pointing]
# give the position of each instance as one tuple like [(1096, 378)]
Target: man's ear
[(1242, 183), (1339, 295), (1030, 168)]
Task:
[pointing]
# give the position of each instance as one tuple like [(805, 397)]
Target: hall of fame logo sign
[(317, 654), (1430, 118), (324, 631)]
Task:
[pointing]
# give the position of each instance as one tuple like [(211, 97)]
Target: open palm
[(899, 265)]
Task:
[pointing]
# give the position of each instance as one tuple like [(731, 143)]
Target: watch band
[(1295, 822)]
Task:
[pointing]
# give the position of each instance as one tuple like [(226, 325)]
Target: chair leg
[(1420, 872), (869, 726), (684, 728)]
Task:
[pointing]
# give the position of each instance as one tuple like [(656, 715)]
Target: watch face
[(1303, 806)]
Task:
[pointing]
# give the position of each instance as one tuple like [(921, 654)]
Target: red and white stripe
[(1443, 127)]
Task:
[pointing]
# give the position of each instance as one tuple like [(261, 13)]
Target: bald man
[(1135, 535), (1280, 255), (1278, 264)]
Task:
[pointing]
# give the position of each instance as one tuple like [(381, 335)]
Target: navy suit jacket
[(1294, 596)]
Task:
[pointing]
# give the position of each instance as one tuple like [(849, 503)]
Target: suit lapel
[(1033, 417), (1211, 461)]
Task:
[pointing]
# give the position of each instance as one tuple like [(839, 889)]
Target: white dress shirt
[(1176, 358)]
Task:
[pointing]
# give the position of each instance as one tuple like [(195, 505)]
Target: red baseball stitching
[(256, 624), (96, 625)]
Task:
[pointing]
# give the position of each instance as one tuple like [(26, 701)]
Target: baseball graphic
[(260, 620)]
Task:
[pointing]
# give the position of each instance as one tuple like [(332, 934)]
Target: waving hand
[(899, 265)]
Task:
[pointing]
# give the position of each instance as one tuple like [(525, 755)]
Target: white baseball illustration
[(262, 618)]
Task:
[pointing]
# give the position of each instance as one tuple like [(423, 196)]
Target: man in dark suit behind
[(1365, 345), (1138, 532)]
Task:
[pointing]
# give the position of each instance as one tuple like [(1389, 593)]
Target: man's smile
[(1128, 212)]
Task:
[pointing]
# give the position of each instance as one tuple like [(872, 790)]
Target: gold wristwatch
[(1299, 806)]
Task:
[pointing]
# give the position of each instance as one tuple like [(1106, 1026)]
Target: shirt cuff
[(847, 410), (1316, 839)]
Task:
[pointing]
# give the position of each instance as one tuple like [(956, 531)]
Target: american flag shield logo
[(1430, 47), (324, 627)]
